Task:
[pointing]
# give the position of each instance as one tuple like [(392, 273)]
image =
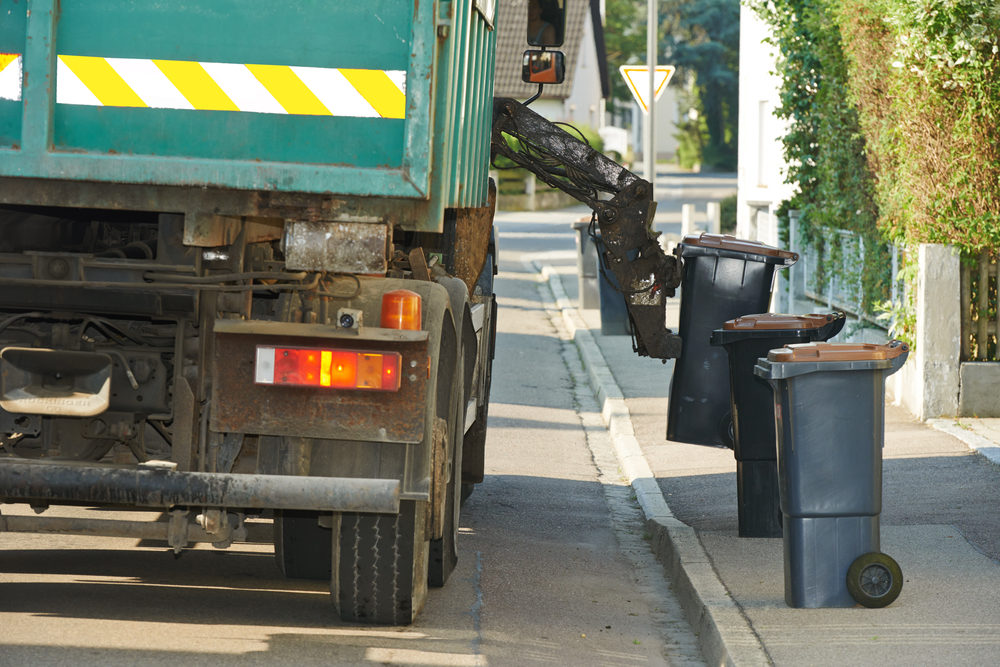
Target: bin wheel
[(874, 580), (727, 431)]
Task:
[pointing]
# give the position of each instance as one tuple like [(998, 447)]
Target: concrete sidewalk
[(940, 521)]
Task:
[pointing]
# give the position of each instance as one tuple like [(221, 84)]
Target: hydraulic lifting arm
[(646, 274)]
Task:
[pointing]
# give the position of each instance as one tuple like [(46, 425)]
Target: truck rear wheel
[(381, 576)]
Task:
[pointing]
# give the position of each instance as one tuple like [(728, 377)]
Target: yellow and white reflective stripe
[(10, 76), (204, 86)]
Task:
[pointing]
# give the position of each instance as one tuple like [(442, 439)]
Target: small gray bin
[(614, 310), (586, 266), (829, 411), (599, 288)]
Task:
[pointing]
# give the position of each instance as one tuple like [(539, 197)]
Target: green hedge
[(894, 115)]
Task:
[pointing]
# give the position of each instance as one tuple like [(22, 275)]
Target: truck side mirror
[(543, 67), (546, 22)]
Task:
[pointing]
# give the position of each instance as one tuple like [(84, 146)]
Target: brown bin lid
[(778, 321), (838, 352), (727, 242)]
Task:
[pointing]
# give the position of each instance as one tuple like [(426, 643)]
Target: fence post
[(966, 312), (529, 191), (713, 210), (797, 272), (687, 220), (983, 307)]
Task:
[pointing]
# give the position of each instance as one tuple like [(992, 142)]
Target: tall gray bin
[(829, 407), (724, 278)]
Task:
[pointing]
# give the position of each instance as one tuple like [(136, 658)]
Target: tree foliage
[(625, 41), (701, 38)]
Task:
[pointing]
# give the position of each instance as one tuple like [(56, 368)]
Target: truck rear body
[(187, 188)]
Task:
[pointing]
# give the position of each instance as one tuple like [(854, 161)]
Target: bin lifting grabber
[(647, 275)]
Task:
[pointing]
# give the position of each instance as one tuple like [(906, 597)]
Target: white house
[(761, 164), (580, 99)]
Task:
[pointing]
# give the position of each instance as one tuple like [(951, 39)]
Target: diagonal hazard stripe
[(197, 87), (376, 87), (6, 59), (289, 90), (103, 81), (10, 76), (213, 86)]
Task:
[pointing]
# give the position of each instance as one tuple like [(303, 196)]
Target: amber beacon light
[(401, 310)]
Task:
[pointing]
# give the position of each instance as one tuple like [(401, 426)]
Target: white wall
[(584, 104), (760, 164), (549, 108)]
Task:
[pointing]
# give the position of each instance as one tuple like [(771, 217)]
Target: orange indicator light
[(401, 309)]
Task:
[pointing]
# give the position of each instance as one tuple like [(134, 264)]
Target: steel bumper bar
[(52, 483)]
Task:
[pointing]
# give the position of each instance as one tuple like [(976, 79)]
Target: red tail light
[(401, 310), (336, 369)]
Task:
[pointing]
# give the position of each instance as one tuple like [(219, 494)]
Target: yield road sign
[(637, 79)]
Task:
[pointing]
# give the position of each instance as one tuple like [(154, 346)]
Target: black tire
[(467, 489), (382, 570), (874, 580), (302, 548), (383, 562), (444, 550), (474, 441)]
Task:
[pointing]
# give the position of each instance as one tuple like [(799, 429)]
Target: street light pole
[(650, 149)]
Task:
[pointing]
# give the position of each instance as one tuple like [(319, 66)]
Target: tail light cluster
[(338, 368)]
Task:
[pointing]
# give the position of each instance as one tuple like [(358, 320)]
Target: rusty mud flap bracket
[(60, 484)]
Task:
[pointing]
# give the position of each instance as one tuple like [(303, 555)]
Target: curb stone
[(724, 633), (975, 442)]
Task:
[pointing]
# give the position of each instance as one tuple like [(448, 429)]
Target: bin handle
[(897, 348), (897, 354)]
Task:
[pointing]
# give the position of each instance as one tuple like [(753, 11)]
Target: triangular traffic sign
[(637, 79)]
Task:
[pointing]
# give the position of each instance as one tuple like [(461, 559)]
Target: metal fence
[(834, 269), (830, 272), (833, 272)]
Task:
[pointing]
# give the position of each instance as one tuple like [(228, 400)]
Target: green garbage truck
[(246, 273)]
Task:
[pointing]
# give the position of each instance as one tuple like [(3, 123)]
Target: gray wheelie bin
[(829, 411), (598, 286), (746, 339), (724, 277), (586, 265), (614, 310)]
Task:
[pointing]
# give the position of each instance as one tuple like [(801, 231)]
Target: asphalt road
[(553, 569)]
